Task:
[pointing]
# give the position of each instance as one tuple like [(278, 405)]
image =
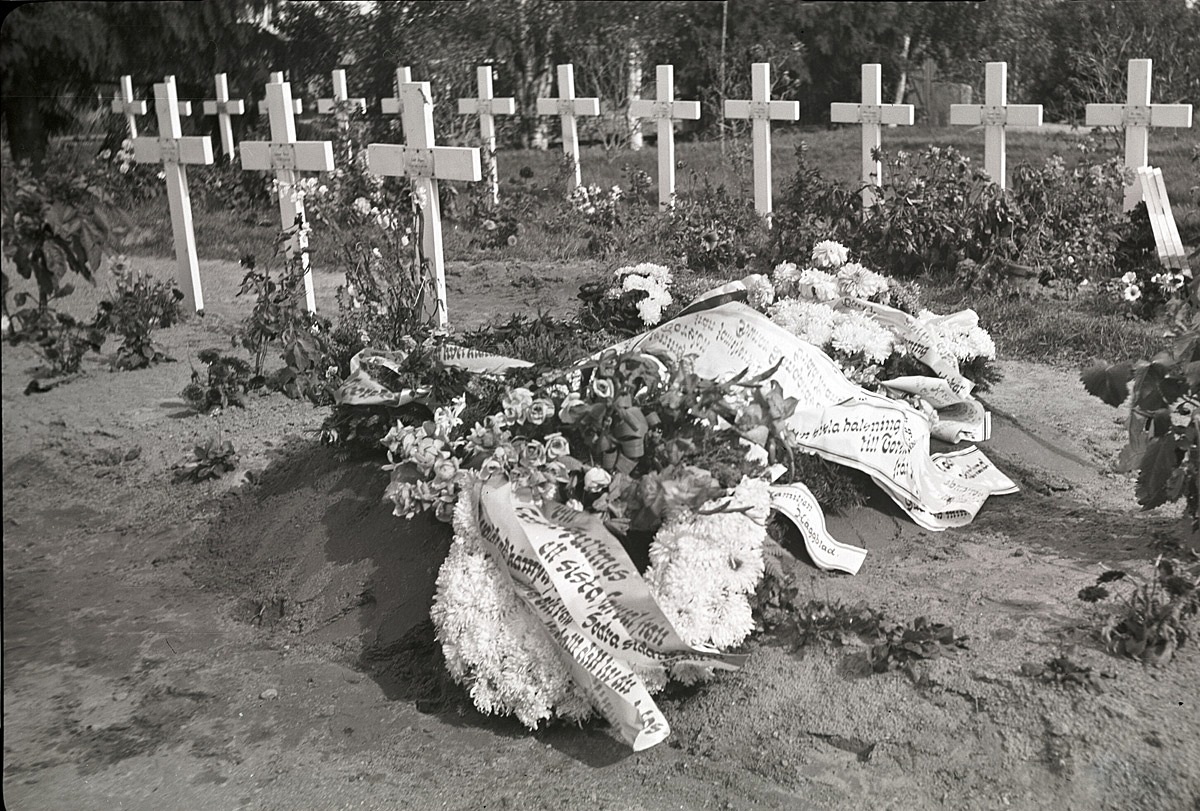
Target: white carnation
[(859, 333), (807, 320), (817, 285), (760, 289), (856, 281), (829, 254)]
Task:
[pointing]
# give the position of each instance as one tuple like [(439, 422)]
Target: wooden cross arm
[(439, 162), (1013, 115), (327, 106), (581, 106), (391, 106), (192, 149), (305, 156), (845, 113), (229, 107), (1152, 115), (763, 110), (504, 106), (125, 106), (650, 108)]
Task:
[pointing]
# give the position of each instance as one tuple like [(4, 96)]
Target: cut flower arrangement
[(626, 445), (610, 518)]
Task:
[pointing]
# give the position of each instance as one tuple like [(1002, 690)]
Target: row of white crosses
[(420, 160)]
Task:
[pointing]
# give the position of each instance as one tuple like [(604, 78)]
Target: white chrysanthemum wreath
[(705, 565)]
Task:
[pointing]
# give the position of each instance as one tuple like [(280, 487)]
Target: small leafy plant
[(902, 645), (210, 460), (141, 305), (1064, 671), (1153, 620), (1164, 421), (222, 384)]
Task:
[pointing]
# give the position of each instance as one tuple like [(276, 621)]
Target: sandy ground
[(261, 642)]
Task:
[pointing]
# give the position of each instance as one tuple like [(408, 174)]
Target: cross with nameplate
[(871, 113), (125, 104), (223, 107), (172, 150), (394, 106), (664, 109), (761, 110), (486, 107), (995, 114), (424, 164), (567, 107), (1136, 116), (287, 156)]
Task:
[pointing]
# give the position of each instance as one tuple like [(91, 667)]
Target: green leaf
[(1108, 382), (1158, 464)]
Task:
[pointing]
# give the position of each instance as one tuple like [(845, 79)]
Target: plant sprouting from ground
[(140, 305), (223, 382), (1163, 423), (209, 460), (1154, 618)]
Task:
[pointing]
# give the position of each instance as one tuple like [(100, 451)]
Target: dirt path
[(257, 642)]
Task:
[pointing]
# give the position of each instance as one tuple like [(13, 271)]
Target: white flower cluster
[(655, 280), (847, 332), (588, 200), (492, 642), (704, 567), (959, 336), (831, 276)]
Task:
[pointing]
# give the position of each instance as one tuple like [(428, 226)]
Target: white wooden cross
[(486, 107), (223, 107), (394, 106), (424, 164), (761, 110), (1137, 115), (1162, 220), (183, 105), (124, 104), (172, 150), (996, 114), (871, 113), (567, 107), (664, 109), (340, 95), (297, 105), (287, 156)]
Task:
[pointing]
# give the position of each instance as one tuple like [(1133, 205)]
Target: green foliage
[(1164, 423), (712, 229), (60, 339), (210, 460), (1154, 619), (53, 226), (224, 382), (1072, 220), (1064, 671), (141, 305), (902, 645)]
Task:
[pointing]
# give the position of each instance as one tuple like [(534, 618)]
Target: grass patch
[(1051, 330)]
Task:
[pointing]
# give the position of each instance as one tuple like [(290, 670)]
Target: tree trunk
[(634, 92), (26, 127), (902, 82)]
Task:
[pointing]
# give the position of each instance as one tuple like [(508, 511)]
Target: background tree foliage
[(1063, 54)]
